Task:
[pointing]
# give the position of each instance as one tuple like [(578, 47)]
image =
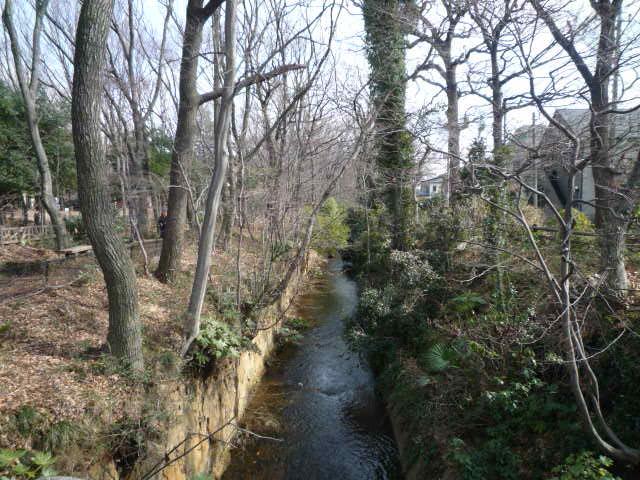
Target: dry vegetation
[(53, 362)]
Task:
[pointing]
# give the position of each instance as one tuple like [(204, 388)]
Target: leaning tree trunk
[(611, 220), (221, 156), (46, 188), (29, 91), (182, 157), (124, 335)]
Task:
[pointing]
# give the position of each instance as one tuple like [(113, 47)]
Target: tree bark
[(29, 90), (611, 221), (229, 206), (386, 51), (124, 335), (182, 156), (139, 170), (612, 209), (453, 127), (207, 234), (495, 218)]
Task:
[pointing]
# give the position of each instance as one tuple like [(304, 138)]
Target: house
[(430, 187), (548, 171), (523, 143)]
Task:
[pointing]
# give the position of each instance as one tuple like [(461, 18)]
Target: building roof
[(623, 148), (577, 119), (442, 176)]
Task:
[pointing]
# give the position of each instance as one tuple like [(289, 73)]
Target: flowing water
[(317, 403)]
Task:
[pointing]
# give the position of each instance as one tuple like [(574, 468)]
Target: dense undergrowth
[(477, 377)]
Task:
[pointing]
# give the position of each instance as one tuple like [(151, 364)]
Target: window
[(434, 188)]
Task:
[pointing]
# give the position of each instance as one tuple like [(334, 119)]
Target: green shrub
[(216, 340), (331, 232), (370, 242), (493, 460), (585, 466), (467, 303), (440, 233), (5, 328), (412, 269), (438, 358), (25, 464), (27, 420), (372, 307), (60, 435)]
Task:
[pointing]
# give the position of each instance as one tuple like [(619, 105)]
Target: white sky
[(351, 62)]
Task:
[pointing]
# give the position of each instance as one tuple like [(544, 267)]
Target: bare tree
[(493, 19), (563, 285), (285, 98), (221, 161), (613, 203), (440, 34), (198, 14), (140, 87), (29, 87), (124, 336)]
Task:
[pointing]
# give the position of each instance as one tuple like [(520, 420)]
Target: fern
[(467, 302), (438, 358)]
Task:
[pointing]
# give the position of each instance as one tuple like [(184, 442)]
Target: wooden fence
[(20, 234)]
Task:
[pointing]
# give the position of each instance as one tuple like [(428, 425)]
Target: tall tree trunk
[(386, 52), (613, 211), (139, 169), (29, 90), (495, 217), (229, 206), (182, 156), (140, 184), (124, 336), (207, 234), (611, 220), (453, 129), (25, 209)]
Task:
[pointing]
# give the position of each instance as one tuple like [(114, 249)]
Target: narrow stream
[(317, 402)]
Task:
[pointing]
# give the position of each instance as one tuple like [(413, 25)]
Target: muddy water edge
[(316, 410)]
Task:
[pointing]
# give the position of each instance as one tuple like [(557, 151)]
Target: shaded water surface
[(318, 398)]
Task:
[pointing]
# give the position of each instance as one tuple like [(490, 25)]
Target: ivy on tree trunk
[(386, 52)]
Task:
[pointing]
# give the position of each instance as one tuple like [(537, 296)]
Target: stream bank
[(317, 402), (63, 395)]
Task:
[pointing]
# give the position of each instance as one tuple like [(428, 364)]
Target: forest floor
[(53, 365)]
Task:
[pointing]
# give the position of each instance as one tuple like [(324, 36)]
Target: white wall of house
[(430, 187)]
